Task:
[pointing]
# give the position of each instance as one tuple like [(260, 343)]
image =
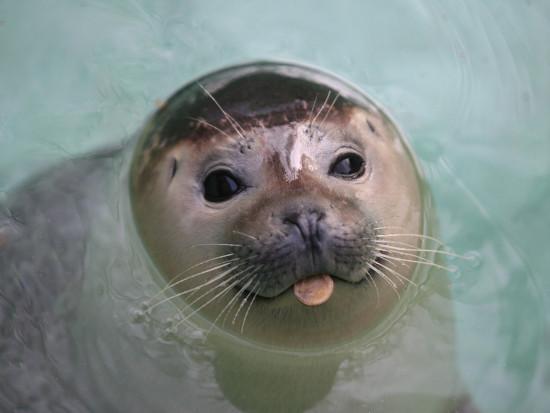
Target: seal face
[(264, 179)]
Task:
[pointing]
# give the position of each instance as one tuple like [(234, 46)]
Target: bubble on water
[(169, 334), (454, 270), (456, 273), (138, 316), (144, 306), (473, 258), (197, 334)]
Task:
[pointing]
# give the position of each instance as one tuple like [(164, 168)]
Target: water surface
[(467, 80)]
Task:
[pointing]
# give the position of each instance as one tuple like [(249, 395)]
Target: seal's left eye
[(220, 186), (348, 166)]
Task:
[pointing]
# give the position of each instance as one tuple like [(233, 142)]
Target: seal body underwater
[(274, 208)]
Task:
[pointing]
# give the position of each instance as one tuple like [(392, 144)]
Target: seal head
[(263, 187)]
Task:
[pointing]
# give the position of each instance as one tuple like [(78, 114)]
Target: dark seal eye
[(348, 166), (220, 186)]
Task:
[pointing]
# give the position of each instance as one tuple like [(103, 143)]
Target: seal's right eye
[(220, 186)]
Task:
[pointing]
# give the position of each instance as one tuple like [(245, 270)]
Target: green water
[(468, 81)]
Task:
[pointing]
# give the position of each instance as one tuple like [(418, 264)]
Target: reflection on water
[(467, 81)]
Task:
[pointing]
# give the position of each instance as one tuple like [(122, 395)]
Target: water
[(468, 81)]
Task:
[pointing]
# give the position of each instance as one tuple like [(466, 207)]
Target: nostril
[(292, 219), (308, 224), (319, 215), (297, 221)]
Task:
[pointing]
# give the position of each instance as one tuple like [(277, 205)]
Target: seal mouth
[(308, 269), (315, 289)]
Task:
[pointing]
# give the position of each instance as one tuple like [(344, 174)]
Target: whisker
[(399, 276), (392, 260), (205, 122), (388, 227), (399, 280), (174, 282), (233, 299), (389, 251), (245, 299), (311, 113), (166, 287), (371, 279), (231, 120), (245, 235), (320, 110), (179, 294), (218, 277), (247, 259), (249, 306), (384, 276), (221, 293), (390, 244), (421, 236), (386, 279), (215, 245), (329, 109)]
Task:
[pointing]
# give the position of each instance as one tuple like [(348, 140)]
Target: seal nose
[(308, 223)]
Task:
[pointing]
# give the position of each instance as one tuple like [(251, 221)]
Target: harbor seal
[(274, 207)]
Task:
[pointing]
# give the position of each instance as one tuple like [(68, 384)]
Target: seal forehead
[(271, 98), (269, 93), (228, 104)]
